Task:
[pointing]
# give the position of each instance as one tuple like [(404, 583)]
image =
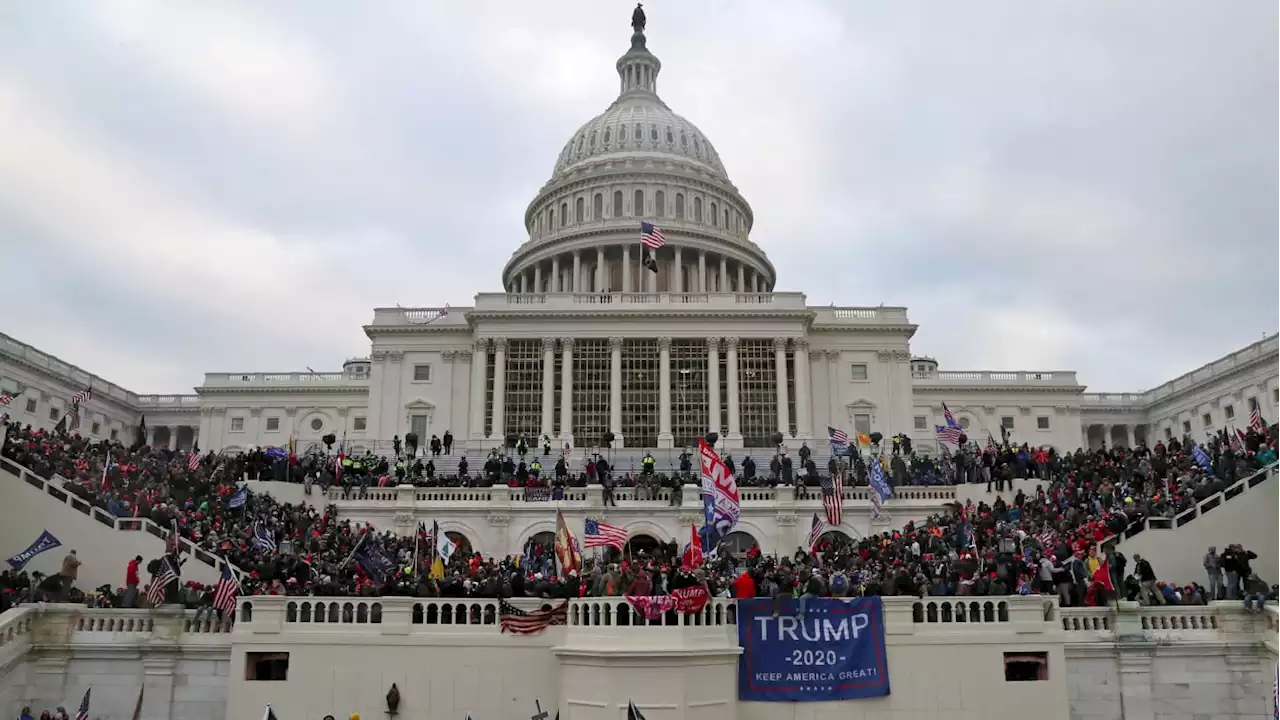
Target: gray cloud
[(1076, 184)]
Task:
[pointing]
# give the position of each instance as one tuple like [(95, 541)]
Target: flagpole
[(354, 549)]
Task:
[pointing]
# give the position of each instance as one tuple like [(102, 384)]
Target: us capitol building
[(584, 339)]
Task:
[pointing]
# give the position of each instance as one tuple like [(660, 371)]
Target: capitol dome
[(638, 161)]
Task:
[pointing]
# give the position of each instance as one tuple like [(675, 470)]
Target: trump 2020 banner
[(835, 651), (44, 543)]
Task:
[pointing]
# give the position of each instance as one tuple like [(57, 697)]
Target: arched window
[(639, 132), (670, 139), (697, 146), (697, 209), (738, 543), (684, 141), (608, 134), (564, 214), (541, 218), (622, 134), (653, 133), (679, 206), (637, 205), (579, 209), (659, 204), (597, 207), (617, 203), (726, 218), (581, 139), (714, 216)]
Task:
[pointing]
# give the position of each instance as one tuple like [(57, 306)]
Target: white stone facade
[(448, 659)]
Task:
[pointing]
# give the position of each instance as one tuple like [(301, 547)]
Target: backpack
[(839, 584)]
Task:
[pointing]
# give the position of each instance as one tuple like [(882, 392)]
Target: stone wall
[(449, 659)]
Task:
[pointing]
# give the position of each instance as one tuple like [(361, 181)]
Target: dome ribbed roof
[(639, 125)]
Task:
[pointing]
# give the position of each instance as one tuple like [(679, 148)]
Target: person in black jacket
[(1146, 581)]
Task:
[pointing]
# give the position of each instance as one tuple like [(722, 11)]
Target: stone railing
[(53, 489), (1163, 623), (156, 403), (638, 301), (1055, 378), (1237, 489), (286, 379), (506, 498)]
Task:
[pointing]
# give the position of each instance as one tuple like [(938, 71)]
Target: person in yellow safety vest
[(535, 468), (648, 463)]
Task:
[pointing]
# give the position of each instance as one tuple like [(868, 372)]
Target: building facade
[(596, 334)]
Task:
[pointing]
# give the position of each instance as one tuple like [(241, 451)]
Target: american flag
[(947, 434), (833, 498), (83, 396), (991, 444), (7, 397), (155, 593), (651, 236), (839, 439), (816, 530), (1255, 418), (597, 534), (951, 419), (83, 712), (193, 462), (514, 620), (226, 592)]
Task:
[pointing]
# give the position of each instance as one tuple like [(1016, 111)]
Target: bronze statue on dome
[(637, 18)]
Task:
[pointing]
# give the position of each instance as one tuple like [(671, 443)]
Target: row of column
[(570, 277), (1108, 435), (800, 347), (172, 444)]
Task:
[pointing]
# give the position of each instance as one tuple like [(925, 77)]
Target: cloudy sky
[(232, 186)]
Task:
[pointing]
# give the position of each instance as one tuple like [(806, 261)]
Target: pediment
[(861, 404), (419, 404)]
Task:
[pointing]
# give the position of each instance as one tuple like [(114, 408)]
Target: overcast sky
[(233, 186)]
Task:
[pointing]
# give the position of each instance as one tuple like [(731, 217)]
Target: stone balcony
[(973, 379), (260, 381)]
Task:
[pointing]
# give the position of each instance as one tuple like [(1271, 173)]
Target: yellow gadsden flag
[(567, 551)]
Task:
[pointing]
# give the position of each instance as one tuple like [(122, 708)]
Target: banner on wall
[(834, 652)]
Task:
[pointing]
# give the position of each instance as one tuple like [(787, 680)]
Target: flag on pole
[(7, 397), (692, 559), (951, 419), (137, 708), (226, 592), (947, 434), (83, 712), (651, 236), (991, 444), (598, 534), (83, 396), (816, 531), (162, 580), (880, 489), (1255, 417), (839, 440), (566, 546), (193, 462), (833, 498)]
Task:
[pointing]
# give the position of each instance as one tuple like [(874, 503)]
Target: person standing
[(1213, 572), (1146, 582), (131, 581), (70, 569)]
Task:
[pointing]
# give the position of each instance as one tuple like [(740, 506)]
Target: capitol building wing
[(593, 333)]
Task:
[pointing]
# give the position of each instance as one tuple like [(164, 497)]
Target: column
[(702, 271), (600, 274), (713, 384), (650, 278), (755, 281), (577, 272), (1128, 435), (731, 382), (555, 274), (677, 277), (836, 419), (1084, 436), (664, 392), (537, 278), (780, 359), (626, 269), (741, 286), (723, 284), (499, 389), (520, 285), (548, 386), (479, 354), (1106, 436), (615, 389), (195, 438), (566, 390), (173, 437), (804, 416)]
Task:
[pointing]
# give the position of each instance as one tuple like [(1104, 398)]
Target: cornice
[(372, 331), (283, 389), (648, 314), (949, 389)]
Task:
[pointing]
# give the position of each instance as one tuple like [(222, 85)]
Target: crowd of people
[(1048, 540)]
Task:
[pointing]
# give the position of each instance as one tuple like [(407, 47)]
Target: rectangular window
[(359, 424), (858, 371), (31, 406), (922, 422), (54, 413), (273, 424), (1042, 422), (1026, 666), (1168, 433), (1186, 426), (862, 424), (1229, 412), (266, 666), (114, 433), (237, 424), (422, 373), (1006, 422), (93, 429), (1206, 419)]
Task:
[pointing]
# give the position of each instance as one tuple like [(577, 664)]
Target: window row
[(1006, 421), (272, 424), (662, 207), (633, 135)]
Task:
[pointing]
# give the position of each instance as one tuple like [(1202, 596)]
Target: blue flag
[(44, 543), (239, 498), (1202, 458), (878, 481), (373, 562)]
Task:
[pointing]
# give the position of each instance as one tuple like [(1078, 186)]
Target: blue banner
[(835, 651), (44, 543)]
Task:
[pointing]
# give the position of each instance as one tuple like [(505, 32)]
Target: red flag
[(1102, 576), (693, 556)]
